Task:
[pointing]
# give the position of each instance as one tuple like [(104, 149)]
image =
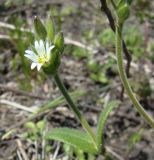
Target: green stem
[(124, 79), (74, 108), (113, 4)]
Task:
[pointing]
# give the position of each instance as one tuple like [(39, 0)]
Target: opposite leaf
[(102, 120), (73, 137)]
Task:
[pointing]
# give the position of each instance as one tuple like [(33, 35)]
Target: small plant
[(134, 139), (36, 133), (46, 54)]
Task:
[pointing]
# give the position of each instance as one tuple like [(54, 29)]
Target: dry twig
[(16, 105), (7, 88), (67, 40)]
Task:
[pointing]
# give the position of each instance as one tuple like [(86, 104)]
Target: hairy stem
[(113, 4), (124, 79), (75, 108)]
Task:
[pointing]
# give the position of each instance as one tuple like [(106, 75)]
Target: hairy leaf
[(102, 120), (73, 137)]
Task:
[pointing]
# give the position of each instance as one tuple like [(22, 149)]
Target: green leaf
[(73, 137), (79, 52), (93, 65), (135, 138), (41, 125), (80, 154), (102, 120), (30, 125)]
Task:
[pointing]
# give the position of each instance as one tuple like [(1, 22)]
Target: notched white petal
[(47, 45), (41, 42), (52, 47), (39, 65), (33, 58), (36, 44), (48, 50), (33, 65), (29, 52), (41, 50)]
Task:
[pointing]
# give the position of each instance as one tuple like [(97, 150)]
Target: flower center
[(43, 59)]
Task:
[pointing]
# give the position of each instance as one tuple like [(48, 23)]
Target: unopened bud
[(123, 11), (59, 42), (50, 29), (40, 29)]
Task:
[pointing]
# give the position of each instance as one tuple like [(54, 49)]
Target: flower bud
[(40, 29), (59, 42), (50, 29), (123, 11)]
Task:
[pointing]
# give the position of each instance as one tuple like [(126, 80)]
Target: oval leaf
[(73, 137)]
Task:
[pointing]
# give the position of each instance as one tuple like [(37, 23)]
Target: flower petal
[(41, 49), (29, 52), (33, 65), (47, 45), (48, 50), (33, 57), (36, 45), (39, 65), (51, 47)]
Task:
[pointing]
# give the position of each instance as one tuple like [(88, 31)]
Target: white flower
[(40, 54)]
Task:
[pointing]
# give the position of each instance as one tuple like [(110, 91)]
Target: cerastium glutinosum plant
[(46, 54), (122, 10)]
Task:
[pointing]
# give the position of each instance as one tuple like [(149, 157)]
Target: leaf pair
[(80, 139)]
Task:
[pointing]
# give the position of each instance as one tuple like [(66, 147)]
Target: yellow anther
[(43, 59)]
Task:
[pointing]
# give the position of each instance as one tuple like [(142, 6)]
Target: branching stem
[(124, 79)]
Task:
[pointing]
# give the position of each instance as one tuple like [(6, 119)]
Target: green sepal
[(130, 2), (59, 42), (40, 29), (121, 3), (123, 10), (50, 29), (52, 66)]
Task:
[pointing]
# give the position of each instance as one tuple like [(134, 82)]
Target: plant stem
[(124, 79), (74, 108), (113, 4)]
